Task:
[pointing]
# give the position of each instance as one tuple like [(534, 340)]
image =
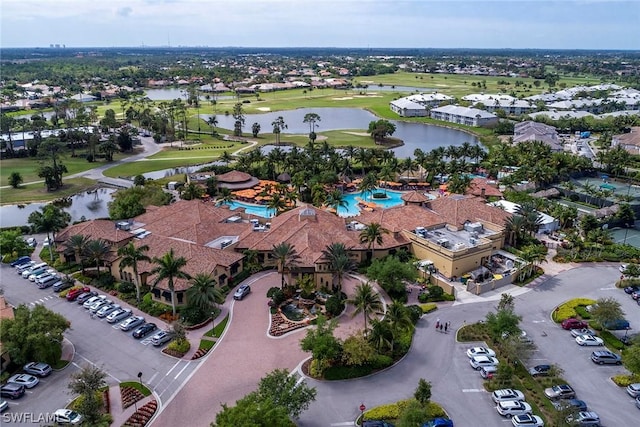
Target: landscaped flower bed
[(141, 417), (280, 325), (129, 396)]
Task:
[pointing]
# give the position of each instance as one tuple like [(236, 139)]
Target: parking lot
[(97, 342)]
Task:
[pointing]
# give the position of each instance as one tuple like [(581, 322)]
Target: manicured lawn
[(206, 344), (219, 328), (38, 192), (135, 384)]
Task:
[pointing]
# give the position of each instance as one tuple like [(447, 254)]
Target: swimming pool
[(352, 209)]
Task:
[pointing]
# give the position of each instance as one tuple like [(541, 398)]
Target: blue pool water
[(393, 199)]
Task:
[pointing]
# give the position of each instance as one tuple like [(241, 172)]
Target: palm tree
[(277, 203), (96, 251), (191, 191), (368, 184), (399, 319), (515, 228), (278, 126), (286, 257), (366, 301), (339, 262), (50, 219), (372, 234), (170, 268), (131, 256), (335, 199), (78, 244), (203, 292), (225, 197)]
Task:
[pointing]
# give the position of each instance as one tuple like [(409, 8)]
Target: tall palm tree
[(96, 251), (335, 199), (49, 219), (170, 268), (78, 244), (381, 335), (204, 293), (339, 262), (286, 257), (372, 234), (131, 256), (277, 203), (399, 319), (366, 301), (368, 184)]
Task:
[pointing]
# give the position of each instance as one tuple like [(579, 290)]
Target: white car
[(527, 420), (29, 381), (106, 310), (509, 408), (99, 304), (589, 340), (480, 351), (131, 323), (118, 315), (67, 416), (478, 362), (582, 331), (506, 394), (88, 303), (633, 389), (623, 268)]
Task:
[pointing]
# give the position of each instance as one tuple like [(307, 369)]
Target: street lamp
[(135, 403)]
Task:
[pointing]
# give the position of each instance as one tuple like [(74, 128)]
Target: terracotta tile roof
[(479, 184), (96, 229), (400, 218), (6, 311), (310, 230), (200, 259), (458, 209), (414, 197)]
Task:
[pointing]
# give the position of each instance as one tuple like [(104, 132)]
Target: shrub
[(611, 340), (194, 315), (390, 411), (105, 281), (334, 305), (582, 312), (568, 309), (126, 287), (415, 311), (181, 346), (423, 297), (380, 361), (625, 380), (429, 307)]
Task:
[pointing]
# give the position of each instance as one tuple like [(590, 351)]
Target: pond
[(87, 205), (415, 135), (169, 94)]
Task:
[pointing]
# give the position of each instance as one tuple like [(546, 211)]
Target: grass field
[(38, 192)]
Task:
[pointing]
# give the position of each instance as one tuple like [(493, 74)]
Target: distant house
[(534, 131), (629, 141), (404, 107), (83, 97), (547, 222), (464, 115)]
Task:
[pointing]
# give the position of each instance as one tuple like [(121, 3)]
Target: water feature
[(292, 312), (169, 94), (415, 135), (250, 208), (87, 205), (352, 200)]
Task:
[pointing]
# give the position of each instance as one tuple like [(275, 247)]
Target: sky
[(512, 24)]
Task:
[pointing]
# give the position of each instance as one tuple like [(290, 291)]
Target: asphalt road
[(96, 342), (437, 358)]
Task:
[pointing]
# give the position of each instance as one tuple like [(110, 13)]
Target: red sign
[(362, 407)]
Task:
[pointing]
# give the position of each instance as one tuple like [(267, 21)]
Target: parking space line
[(473, 390)]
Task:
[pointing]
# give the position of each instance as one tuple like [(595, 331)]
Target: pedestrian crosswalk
[(43, 300)]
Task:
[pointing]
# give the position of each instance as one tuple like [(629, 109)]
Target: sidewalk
[(121, 415)]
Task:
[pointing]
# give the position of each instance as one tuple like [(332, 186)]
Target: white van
[(32, 268), (49, 281), (509, 408)]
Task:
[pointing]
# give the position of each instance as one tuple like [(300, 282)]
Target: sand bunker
[(344, 98), (357, 133), (263, 109)]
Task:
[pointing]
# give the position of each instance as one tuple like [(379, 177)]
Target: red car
[(572, 323), (75, 293)]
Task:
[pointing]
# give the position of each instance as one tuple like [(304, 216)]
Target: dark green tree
[(169, 268), (283, 390), (423, 392), (131, 257), (366, 301), (15, 179), (324, 347), (87, 383), (49, 219), (253, 411)]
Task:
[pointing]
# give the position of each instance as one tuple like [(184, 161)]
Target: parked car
[(507, 394), (616, 325), (605, 356), (161, 338), (20, 261), (44, 284), (12, 390), (560, 391), (4, 405), (23, 267), (32, 242), (35, 273), (582, 331), (439, 422), (61, 285), (75, 293), (539, 370), (99, 304), (575, 404), (37, 279), (242, 292), (88, 303), (487, 372), (144, 330), (572, 323), (638, 402), (509, 408), (631, 289), (45, 242), (38, 369), (67, 416), (119, 315), (635, 295), (82, 298), (480, 351), (107, 310), (478, 362), (633, 389), (27, 380), (527, 420), (584, 419), (589, 340), (623, 268), (35, 266), (131, 323)]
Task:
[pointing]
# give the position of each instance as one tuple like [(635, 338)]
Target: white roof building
[(463, 115), (404, 107)]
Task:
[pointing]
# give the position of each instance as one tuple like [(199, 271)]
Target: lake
[(88, 205), (415, 135), (170, 94)]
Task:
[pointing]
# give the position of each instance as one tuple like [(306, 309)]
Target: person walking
[(437, 324), (441, 327), (446, 326)]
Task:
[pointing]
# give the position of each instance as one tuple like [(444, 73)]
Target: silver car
[(106, 310), (99, 304), (27, 380), (161, 337), (88, 303), (118, 315), (131, 323)]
